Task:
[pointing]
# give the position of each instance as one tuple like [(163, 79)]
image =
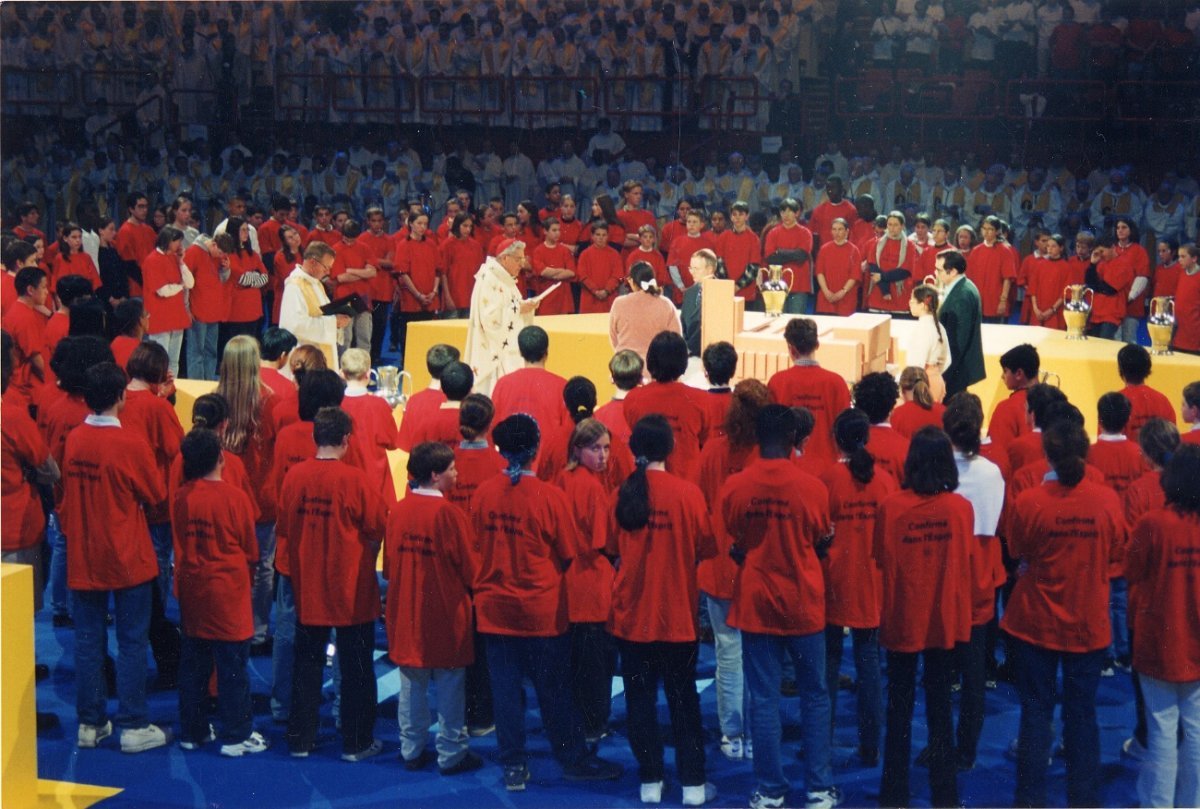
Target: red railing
[(41, 92), (462, 99), (1064, 100), (1158, 102), (870, 96), (536, 102)]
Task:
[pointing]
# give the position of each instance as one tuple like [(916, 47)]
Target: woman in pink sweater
[(636, 318)]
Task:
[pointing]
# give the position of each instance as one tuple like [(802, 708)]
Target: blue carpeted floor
[(171, 777)]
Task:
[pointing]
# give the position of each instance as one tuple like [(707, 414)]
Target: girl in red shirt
[(286, 259), (1166, 274), (667, 361), (889, 261), (1164, 582), (839, 270), (419, 280), (1045, 285), (923, 538), (661, 530), (1068, 533), (461, 256), (247, 278), (604, 209), (71, 260), (164, 281), (919, 409), (852, 579), (590, 577), (789, 235)]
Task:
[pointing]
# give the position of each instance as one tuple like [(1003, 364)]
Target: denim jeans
[(1105, 331), (479, 688), (1118, 612), (172, 341), (897, 744), (413, 713), (283, 651), (643, 665), (973, 663), (796, 303), (132, 618), (545, 661), (870, 682), (262, 582), (61, 598), (1037, 674), (1170, 774), (202, 356), (762, 658), (196, 661), (160, 537), (355, 658), (1129, 330), (733, 698), (593, 664)]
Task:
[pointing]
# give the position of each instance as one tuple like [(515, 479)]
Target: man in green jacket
[(962, 315)]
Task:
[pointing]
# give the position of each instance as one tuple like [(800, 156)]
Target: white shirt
[(980, 481), (496, 319), (295, 315), (923, 347)]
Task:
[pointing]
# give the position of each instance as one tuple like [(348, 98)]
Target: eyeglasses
[(328, 267)]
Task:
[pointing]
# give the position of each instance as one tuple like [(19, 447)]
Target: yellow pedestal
[(19, 784)]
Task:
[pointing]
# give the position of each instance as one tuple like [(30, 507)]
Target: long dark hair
[(929, 468), (852, 432), (287, 253), (651, 442), (928, 295), (1179, 480), (1065, 443)]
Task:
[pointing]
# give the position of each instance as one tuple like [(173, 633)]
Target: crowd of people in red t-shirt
[(546, 538)]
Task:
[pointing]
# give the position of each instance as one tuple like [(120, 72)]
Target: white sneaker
[(761, 801), (92, 735), (823, 798), (139, 740), (732, 749), (699, 795), (211, 736), (1130, 748), (652, 792), (373, 749), (254, 743)]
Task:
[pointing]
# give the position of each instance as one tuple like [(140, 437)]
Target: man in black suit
[(962, 315), (702, 265)]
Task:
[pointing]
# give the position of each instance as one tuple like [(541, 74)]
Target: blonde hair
[(913, 379), (586, 433), (242, 388), (356, 363)]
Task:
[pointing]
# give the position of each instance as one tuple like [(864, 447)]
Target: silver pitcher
[(389, 383)]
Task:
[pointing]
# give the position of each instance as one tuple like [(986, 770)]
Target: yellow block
[(19, 713), (65, 795)]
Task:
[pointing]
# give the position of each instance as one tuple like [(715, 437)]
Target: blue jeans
[(870, 682), (160, 536), (547, 662), (733, 699), (60, 597), (1118, 609), (283, 651), (1037, 675), (202, 350), (939, 719), (796, 303), (1105, 331), (262, 581), (172, 341), (132, 616), (762, 658), (196, 660)]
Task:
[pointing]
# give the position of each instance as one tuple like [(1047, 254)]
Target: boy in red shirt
[(430, 569), (1133, 364), (599, 271), (1019, 368), (876, 395), (334, 520), (626, 368), (777, 517), (738, 247), (215, 549), (790, 236), (993, 270), (1189, 409), (533, 389), (109, 476), (720, 362), (424, 403), (553, 262), (25, 321), (1110, 276), (683, 407), (442, 424), (807, 384)]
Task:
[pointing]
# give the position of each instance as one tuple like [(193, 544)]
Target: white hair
[(512, 249)]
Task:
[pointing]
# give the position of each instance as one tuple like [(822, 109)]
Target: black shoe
[(423, 760), (62, 622), (46, 722), (168, 677), (40, 672), (468, 763), (262, 649), (515, 776), (593, 768)]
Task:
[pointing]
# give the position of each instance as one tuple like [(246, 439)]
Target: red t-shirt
[(1121, 462), (655, 595), (1008, 422), (1046, 282), (616, 236), (8, 291), (1166, 278), (989, 267), (853, 581), (1187, 312), (420, 407), (839, 263), (821, 219), (134, 241), (331, 237), (212, 525), (1147, 403), (474, 466), (1140, 260), (534, 391), (334, 521), (909, 417), (719, 461), (1142, 496), (598, 268), (1163, 569), (76, 264), (430, 572), (774, 514), (821, 391), (715, 402), (558, 302), (352, 256), (461, 259), (234, 474), (375, 433), (889, 449), (245, 303), (1069, 541), (684, 246), (441, 426), (258, 458), (108, 474), (524, 534), (57, 421), (680, 405), (1117, 273), (738, 250), (923, 545), (166, 314), (268, 236), (210, 297), (281, 268), (27, 328), (122, 348), (153, 418), (590, 576), (889, 259), (1025, 449), (632, 221), (796, 238), (422, 263), (21, 448), (379, 249), (655, 260), (612, 415)]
